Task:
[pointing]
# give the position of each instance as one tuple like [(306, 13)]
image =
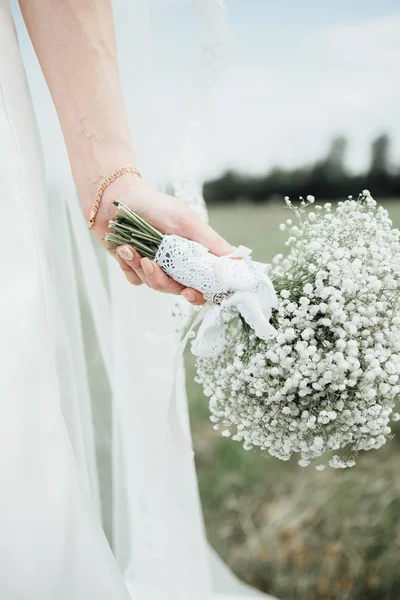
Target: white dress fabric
[(53, 503)]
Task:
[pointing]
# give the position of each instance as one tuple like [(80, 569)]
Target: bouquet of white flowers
[(311, 364), (329, 379)]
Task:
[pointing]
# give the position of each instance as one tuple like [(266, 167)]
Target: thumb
[(196, 230)]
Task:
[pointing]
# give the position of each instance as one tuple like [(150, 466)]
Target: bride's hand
[(166, 213)]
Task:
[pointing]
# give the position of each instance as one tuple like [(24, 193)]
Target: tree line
[(328, 178)]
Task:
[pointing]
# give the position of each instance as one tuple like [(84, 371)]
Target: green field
[(294, 532)]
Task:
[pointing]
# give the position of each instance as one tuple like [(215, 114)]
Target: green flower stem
[(129, 228), (124, 230), (137, 220)]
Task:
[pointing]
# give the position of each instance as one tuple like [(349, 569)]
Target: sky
[(298, 74), (307, 71)]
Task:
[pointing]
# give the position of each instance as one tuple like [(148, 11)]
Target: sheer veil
[(146, 493)]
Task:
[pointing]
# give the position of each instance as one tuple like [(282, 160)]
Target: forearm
[(75, 44)]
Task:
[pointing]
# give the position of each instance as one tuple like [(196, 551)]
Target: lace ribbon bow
[(235, 286)]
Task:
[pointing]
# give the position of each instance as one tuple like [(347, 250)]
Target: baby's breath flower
[(330, 378), (308, 289)]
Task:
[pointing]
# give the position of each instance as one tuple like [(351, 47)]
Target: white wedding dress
[(54, 503)]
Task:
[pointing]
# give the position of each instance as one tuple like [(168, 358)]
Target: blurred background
[(310, 104), (307, 104)]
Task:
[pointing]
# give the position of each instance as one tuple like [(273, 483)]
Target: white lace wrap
[(249, 290)]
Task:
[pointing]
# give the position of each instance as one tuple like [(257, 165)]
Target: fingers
[(131, 258), (193, 296), (130, 274), (193, 228), (140, 270), (157, 280), (147, 271)]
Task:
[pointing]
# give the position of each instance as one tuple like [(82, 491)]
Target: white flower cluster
[(329, 380)]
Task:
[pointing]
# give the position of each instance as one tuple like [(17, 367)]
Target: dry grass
[(297, 533)]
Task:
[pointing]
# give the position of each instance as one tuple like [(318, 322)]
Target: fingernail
[(125, 253), (189, 296), (147, 266)]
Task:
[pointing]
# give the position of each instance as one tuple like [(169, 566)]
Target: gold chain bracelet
[(103, 186)]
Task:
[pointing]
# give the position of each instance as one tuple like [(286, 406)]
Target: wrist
[(92, 192), (94, 164), (124, 188)]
